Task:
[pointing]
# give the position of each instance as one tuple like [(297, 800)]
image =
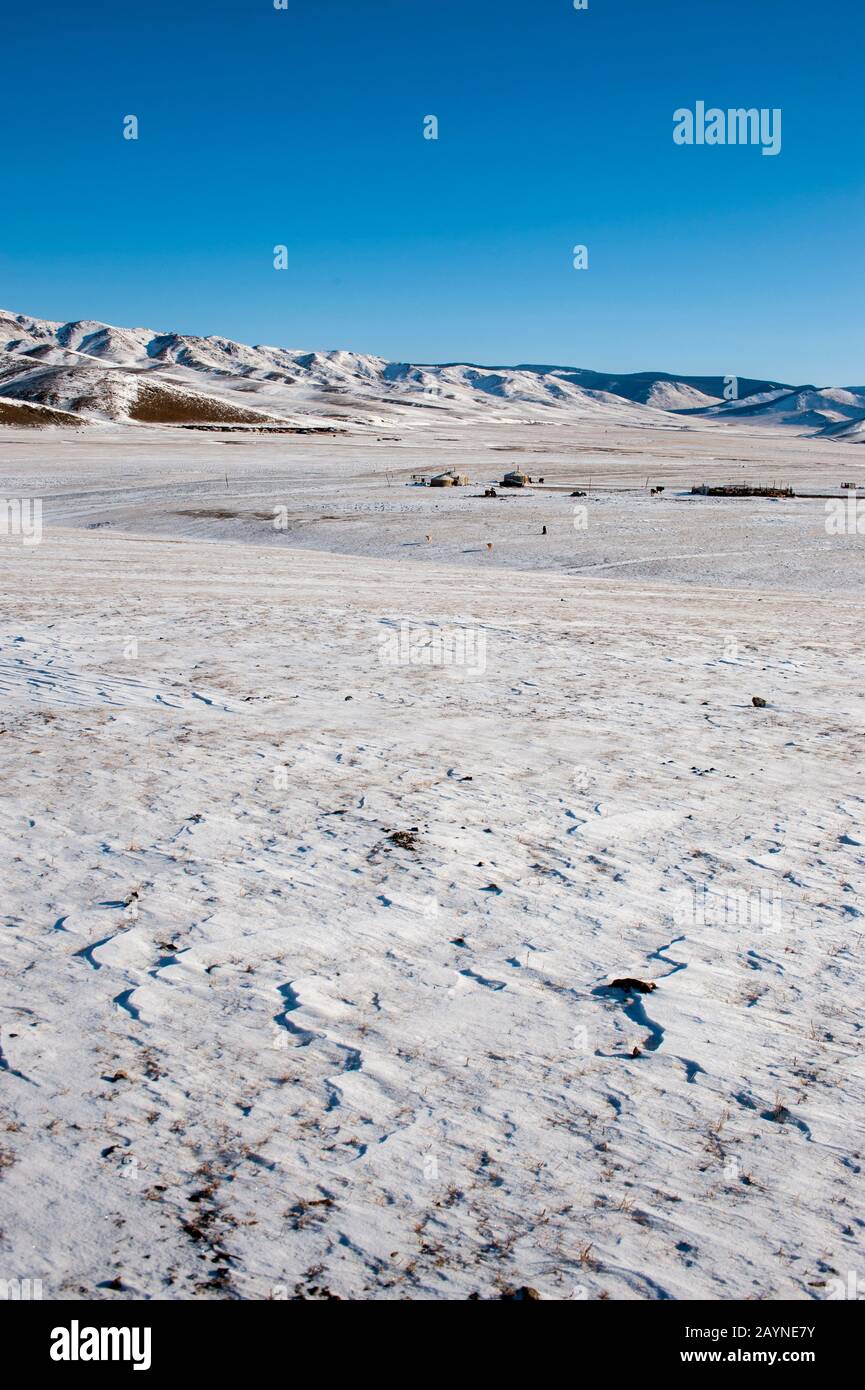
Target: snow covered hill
[(97, 372), (820, 409)]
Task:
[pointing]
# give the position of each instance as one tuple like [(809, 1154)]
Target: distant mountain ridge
[(91, 372), (637, 386)]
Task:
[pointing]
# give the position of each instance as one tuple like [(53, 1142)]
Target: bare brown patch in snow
[(158, 405), (33, 418)]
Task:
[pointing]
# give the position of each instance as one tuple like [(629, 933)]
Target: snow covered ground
[(322, 843)]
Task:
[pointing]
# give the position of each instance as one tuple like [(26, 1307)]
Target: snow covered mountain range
[(88, 373)]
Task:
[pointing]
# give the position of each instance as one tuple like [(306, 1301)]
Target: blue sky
[(304, 127)]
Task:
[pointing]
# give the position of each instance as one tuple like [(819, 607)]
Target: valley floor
[(306, 947)]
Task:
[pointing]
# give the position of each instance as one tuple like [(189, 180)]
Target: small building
[(515, 479), (449, 479)]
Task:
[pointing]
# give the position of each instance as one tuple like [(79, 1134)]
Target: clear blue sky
[(304, 127)]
